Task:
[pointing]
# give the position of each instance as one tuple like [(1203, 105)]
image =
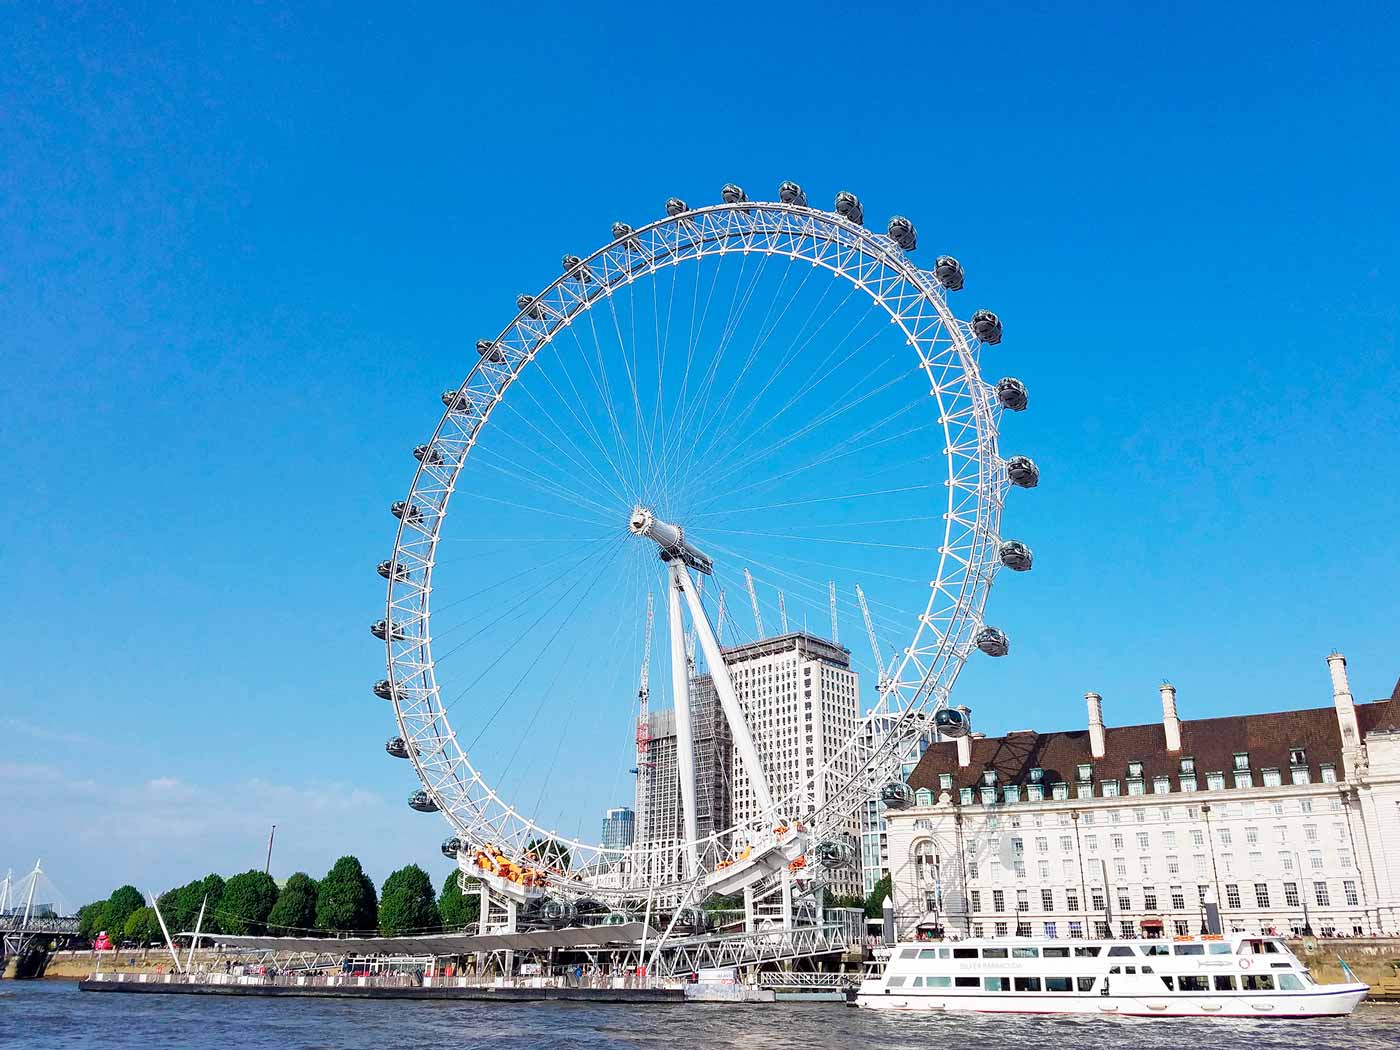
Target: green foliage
[(90, 919), (845, 900), (875, 903), (549, 853), (142, 927), (247, 900), (295, 910), (123, 901), (458, 909), (407, 904), (723, 902), (345, 899)]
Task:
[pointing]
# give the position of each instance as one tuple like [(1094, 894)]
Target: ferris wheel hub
[(670, 538)]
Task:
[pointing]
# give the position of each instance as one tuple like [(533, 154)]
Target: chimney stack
[(964, 750), (1352, 754), (1096, 735), (1170, 722)]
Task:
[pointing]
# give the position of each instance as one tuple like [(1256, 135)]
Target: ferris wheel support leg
[(680, 700), (750, 922), (787, 900), (724, 686)]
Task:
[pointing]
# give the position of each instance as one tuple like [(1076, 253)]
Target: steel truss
[(920, 681)]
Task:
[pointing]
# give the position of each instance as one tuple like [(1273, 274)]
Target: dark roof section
[(1212, 742)]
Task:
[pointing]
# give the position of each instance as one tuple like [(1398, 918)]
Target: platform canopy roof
[(621, 935)]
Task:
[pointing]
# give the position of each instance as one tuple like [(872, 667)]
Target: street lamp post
[(1303, 894)]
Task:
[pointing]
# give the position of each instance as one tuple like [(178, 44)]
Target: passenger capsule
[(791, 193), (422, 802), (1015, 555), (380, 629), (952, 722), (992, 641), (902, 232), (573, 266), (949, 273), (490, 350), (392, 571), (527, 305), (384, 689), (1023, 472), (1012, 394), (397, 747), (451, 847), (456, 400), (409, 512), (621, 230), (675, 206), (848, 207), (896, 795), (986, 326), (558, 911), (427, 454), (733, 194), (835, 853)]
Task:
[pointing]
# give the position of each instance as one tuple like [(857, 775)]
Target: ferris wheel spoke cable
[(581, 464), (625, 456), (547, 487), (843, 497)]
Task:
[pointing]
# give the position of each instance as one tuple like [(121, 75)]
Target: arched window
[(925, 861)]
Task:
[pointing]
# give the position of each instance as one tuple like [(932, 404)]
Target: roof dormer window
[(1135, 770), (1188, 766), (989, 777), (1297, 756), (1242, 760), (1037, 775), (1086, 771)]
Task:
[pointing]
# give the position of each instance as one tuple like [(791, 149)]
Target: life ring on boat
[(1244, 964)]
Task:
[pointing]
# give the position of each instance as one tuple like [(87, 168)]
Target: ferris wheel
[(738, 390)]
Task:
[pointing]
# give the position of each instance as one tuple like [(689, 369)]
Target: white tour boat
[(1238, 975)]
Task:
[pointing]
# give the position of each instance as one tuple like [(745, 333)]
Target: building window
[(1091, 843), (1201, 870), (923, 797), (1297, 756), (1012, 793), (1329, 774), (1300, 775), (1188, 783), (1320, 894), (1047, 900), (1110, 790), (965, 796), (998, 900), (989, 796), (1044, 869), (1271, 778), (1315, 859), (1120, 867), (989, 777), (1188, 765), (972, 869), (1242, 760), (1000, 928), (1035, 792), (1101, 930), (976, 900), (1084, 789), (1022, 903), (1136, 787), (1290, 894), (1349, 888), (1061, 792), (1161, 785), (1042, 844), (1072, 899), (1117, 840), (1310, 832), (1086, 771), (1305, 805), (1173, 865), (1178, 898), (1215, 781), (1344, 859), (1251, 835), (1076, 929), (1149, 898), (945, 781), (1198, 837), (1037, 774), (1232, 895), (1285, 860), (1096, 898), (1142, 840), (1261, 894), (1049, 931), (1124, 901), (1182, 927), (977, 929), (1224, 835), (1244, 780), (1066, 842)]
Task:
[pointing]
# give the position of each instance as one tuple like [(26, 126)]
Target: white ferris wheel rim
[(976, 484)]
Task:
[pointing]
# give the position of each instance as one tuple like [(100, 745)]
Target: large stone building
[(874, 836), (1289, 821)]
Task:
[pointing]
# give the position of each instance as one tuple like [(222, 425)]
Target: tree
[(345, 900), (142, 927), (211, 889), (123, 901), (845, 900), (723, 902), (407, 904), (875, 903), (295, 910), (90, 919), (247, 900), (549, 853), (458, 909)]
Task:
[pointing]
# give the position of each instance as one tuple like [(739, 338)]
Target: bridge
[(22, 924)]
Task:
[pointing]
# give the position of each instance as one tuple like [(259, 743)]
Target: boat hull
[(1325, 1001)]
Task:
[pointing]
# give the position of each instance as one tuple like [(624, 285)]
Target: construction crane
[(882, 678), (753, 598), (831, 589), (782, 611), (719, 621), (644, 764)]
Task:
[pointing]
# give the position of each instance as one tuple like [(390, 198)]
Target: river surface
[(40, 1015)]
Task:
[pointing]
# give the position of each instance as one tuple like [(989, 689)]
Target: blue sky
[(241, 254)]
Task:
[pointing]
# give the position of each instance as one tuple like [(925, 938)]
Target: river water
[(40, 1015)]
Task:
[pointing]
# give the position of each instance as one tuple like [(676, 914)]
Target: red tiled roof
[(1212, 742)]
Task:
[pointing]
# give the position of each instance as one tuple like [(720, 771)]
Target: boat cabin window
[(1168, 981), (1190, 949), (1224, 982), (1192, 982), (996, 984), (1027, 984), (1025, 953), (896, 982), (1059, 984), (1087, 953), (1086, 984), (1257, 982), (928, 953), (1055, 953), (994, 953), (965, 982), (1218, 948), (909, 953), (937, 982), (964, 953), (1119, 949), (1155, 949)]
